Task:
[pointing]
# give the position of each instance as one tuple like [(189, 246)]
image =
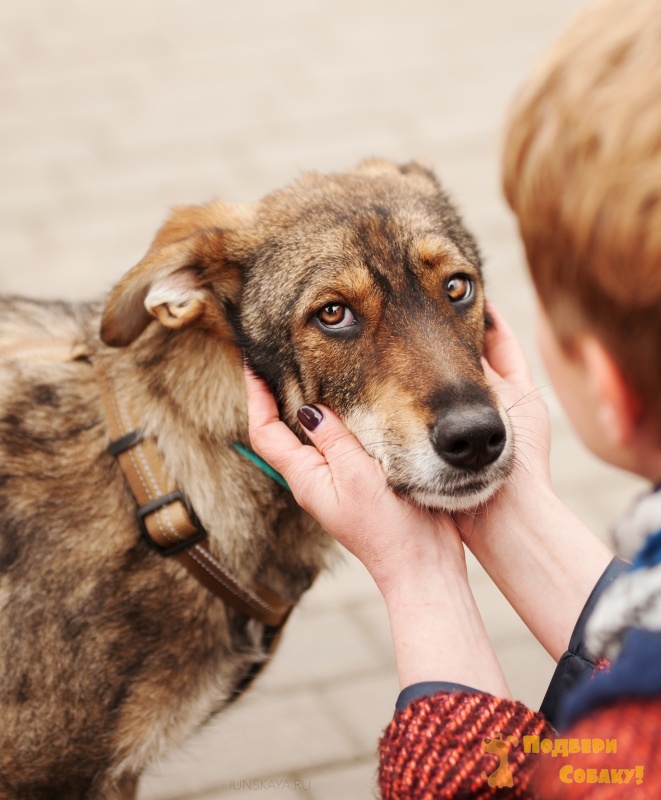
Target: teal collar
[(261, 464)]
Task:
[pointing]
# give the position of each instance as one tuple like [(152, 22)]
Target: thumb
[(502, 349), (319, 475), (342, 451)]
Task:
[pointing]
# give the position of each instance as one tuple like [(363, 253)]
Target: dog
[(362, 291)]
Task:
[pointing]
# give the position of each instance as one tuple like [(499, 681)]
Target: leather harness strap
[(165, 519)]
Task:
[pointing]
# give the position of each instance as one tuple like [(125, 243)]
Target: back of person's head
[(582, 172)]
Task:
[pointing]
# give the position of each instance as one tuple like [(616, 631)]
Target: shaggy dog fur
[(361, 291)]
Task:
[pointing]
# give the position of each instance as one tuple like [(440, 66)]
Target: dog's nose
[(469, 438)]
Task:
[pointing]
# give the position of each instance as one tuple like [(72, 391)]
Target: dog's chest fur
[(111, 652)]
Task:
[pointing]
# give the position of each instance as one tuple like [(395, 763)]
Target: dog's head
[(362, 291)]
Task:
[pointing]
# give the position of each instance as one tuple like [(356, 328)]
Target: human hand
[(345, 489), (507, 370), (525, 537), (416, 557)]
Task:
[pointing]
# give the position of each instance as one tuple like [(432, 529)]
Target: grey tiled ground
[(112, 111)]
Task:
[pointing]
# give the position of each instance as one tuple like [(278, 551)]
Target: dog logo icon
[(500, 747)]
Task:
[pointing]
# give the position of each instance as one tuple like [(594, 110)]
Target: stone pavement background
[(112, 111)]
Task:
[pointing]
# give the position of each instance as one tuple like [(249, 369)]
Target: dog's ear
[(418, 168), (376, 166), (185, 279)]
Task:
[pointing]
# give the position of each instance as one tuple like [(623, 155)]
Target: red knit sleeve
[(458, 745)]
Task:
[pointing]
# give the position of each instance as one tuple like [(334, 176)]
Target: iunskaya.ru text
[(284, 784)]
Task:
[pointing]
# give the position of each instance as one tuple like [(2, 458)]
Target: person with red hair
[(582, 173)]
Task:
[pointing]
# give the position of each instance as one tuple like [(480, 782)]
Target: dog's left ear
[(418, 168), (180, 282)]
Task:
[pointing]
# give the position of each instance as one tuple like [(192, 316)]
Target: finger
[(270, 437), (261, 403), (343, 452), (490, 373), (502, 349), (317, 476)]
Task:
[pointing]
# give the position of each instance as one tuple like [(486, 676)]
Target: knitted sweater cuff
[(427, 688), (450, 745)]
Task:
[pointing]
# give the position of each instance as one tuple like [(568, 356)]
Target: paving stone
[(352, 782), (278, 787), (347, 578), (320, 646), (365, 706), (373, 619), (260, 737)]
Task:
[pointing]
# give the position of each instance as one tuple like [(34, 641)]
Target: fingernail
[(309, 417)]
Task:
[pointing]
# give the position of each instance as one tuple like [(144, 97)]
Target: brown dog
[(361, 291)]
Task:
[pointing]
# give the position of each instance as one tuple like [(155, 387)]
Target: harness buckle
[(155, 505)]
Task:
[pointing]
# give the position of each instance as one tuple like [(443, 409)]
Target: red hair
[(582, 172)]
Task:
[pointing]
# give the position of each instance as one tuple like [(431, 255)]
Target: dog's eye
[(335, 315), (459, 288)]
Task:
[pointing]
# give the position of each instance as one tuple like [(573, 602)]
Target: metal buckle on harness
[(155, 505)]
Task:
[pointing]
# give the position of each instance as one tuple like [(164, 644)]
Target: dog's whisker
[(516, 415), (380, 490), (530, 397), (526, 467), (353, 451), (536, 442), (522, 430), (530, 441)]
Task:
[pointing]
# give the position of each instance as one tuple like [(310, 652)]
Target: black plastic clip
[(126, 442), (155, 505)]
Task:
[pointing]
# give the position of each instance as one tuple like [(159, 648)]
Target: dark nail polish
[(309, 417)]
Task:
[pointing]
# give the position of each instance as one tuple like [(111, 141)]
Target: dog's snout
[(469, 438)]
